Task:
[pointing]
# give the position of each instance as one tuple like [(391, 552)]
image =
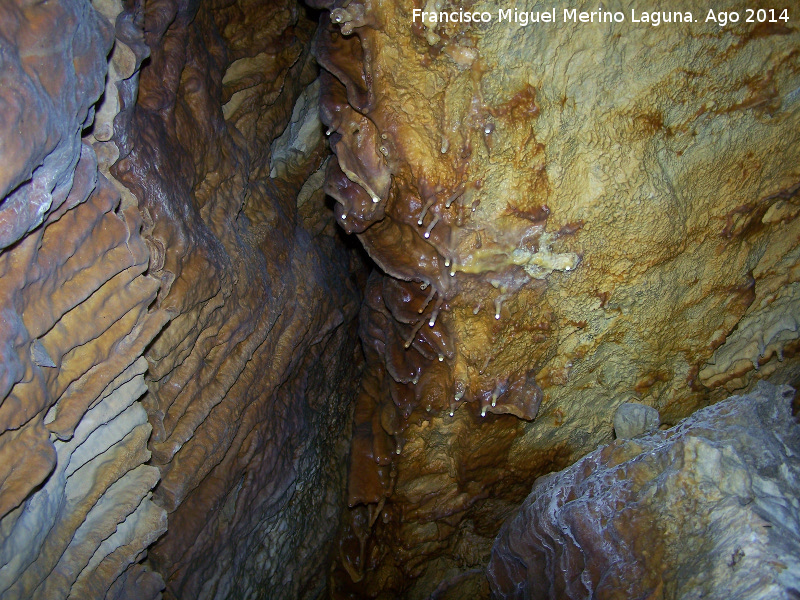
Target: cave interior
[(330, 299)]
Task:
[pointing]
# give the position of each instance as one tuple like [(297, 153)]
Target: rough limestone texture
[(632, 419), (76, 508), (565, 217), (251, 382), (706, 509), (178, 349), (552, 211)]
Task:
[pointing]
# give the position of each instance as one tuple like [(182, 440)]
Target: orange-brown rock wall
[(567, 216), (78, 312), (178, 336), (251, 382)]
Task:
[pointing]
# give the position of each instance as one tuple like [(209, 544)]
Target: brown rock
[(567, 203), (250, 381), (552, 211)]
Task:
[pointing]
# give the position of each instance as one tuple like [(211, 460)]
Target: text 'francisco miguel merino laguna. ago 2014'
[(571, 15)]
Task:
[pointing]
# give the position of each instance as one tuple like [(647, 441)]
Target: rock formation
[(553, 210), (633, 419), (207, 389), (707, 509), (77, 315), (189, 264)]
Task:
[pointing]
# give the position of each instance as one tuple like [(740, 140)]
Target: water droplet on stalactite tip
[(483, 411), (428, 408), (454, 196), (446, 262), (427, 301), (375, 199), (431, 225), (452, 273), (441, 358), (498, 306), (344, 217), (451, 413), (330, 131), (425, 208)]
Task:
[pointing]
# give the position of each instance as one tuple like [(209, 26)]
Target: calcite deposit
[(77, 314), (300, 297), (178, 342), (707, 509), (250, 384), (565, 217)]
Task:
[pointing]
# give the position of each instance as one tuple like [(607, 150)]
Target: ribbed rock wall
[(77, 314), (706, 509), (250, 383), (566, 216), (178, 337)]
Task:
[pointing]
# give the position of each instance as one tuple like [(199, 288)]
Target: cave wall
[(178, 335), (562, 218), (566, 217), (76, 500), (705, 509)]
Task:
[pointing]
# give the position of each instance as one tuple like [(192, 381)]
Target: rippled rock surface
[(562, 219), (706, 509), (177, 331), (78, 312)]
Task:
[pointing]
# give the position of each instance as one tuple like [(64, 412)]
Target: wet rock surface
[(706, 509), (553, 210), (178, 342), (250, 384), (185, 407)]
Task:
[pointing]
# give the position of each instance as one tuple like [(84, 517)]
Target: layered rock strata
[(77, 315), (552, 209), (706, 509), (251, 382), (178, 342)]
